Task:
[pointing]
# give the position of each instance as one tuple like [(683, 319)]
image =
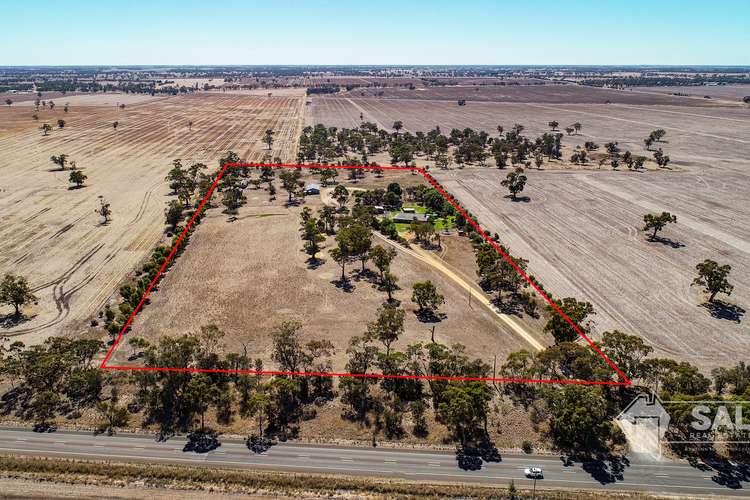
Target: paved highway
[(676, 478)]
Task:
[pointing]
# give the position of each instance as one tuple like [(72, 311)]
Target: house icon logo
[(644, 423)]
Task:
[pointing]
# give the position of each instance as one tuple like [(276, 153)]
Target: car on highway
[(533, 473)]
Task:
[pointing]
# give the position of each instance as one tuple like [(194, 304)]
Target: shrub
[(527, 447)]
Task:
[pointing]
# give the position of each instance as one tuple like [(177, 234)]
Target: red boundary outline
[(625, 380)]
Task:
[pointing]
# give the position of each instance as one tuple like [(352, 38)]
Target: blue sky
[(375, 32)]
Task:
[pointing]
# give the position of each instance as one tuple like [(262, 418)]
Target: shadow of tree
[(429, 316), (11, 320), (202, 441), (518, 199), (258, 444), (725, 473), (315, 263), (294, 203), (345, 285), (723, 310), (604, 468), (366, 275), (472, 456), (666, 241)]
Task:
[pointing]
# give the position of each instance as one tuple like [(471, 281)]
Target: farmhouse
[(406, 218)]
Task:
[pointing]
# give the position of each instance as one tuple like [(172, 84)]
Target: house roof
[(404, 217), (312, 186)]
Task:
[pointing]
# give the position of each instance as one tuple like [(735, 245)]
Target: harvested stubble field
[(247, 275), (52, 235), (580, 230), (733, 93), (539, 93)]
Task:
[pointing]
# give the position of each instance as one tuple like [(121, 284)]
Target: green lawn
[(401, 227), (417, 208), (445, 222), (440, 224)]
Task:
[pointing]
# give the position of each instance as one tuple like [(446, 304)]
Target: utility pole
[(533, 492)]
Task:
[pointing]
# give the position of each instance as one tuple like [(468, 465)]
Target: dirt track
[(51, 235)]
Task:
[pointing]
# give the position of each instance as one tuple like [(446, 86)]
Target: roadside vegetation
[(280, 485)]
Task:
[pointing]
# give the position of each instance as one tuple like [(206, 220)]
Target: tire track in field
[(60, 297), (144, 202)]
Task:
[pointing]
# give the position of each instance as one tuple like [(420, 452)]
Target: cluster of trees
[(463, 406), (352, 230), (390, 198), (177, 400), (580, 418), (132, 292), (192, 184), (615, 156), (664, 80), (189, 185), (76, 177), (77, 85), (57, 377), (657, 136), (500, 275), (322, 144), (711, 275)]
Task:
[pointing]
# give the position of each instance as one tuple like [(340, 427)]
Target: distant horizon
[(365, 65)]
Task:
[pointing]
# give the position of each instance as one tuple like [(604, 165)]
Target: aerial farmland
[(124, 144)]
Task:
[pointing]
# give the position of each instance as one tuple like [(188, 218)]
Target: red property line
[(625, 380)]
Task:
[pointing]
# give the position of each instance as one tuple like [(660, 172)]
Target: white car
[(533, 473)]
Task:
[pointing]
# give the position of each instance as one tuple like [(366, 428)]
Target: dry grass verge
[(253, 482)]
